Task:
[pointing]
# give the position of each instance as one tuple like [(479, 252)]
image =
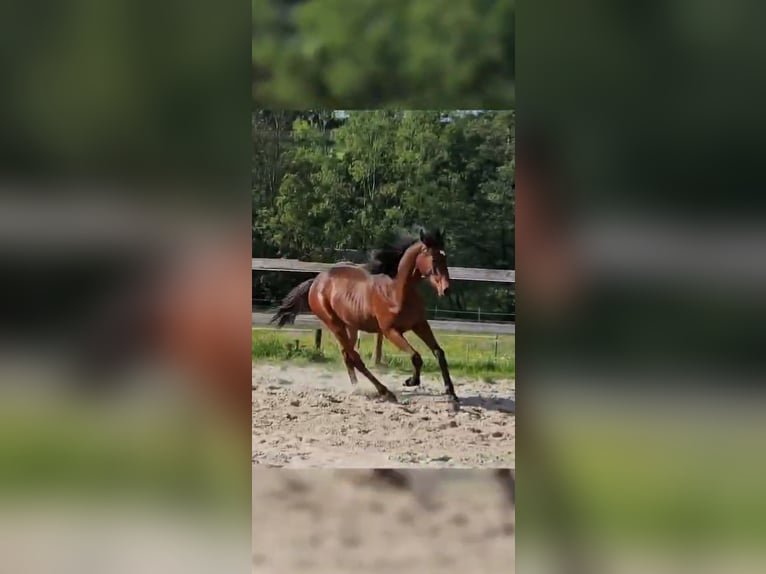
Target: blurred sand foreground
[(338, 521)]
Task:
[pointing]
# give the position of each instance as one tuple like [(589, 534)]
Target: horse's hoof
[(412, 383), (455, 403), (390, 397)]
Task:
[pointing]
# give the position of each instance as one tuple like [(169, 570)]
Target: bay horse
[(348, 299), (382, 261)]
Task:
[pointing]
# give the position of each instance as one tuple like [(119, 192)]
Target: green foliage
[(325, 183), (375, 53)]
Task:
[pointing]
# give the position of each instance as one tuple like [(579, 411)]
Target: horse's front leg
[(423, 330), (398, 339)]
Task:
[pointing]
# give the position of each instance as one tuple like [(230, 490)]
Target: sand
[(339, 521), (311, 416)]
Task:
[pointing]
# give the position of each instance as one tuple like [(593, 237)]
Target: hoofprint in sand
[(340, 521), (311, 416)]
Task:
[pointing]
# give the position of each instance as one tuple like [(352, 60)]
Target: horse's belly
[(355, 314), (370, 326), (366, 323)]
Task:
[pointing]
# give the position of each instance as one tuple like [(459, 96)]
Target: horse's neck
[(405, 275)]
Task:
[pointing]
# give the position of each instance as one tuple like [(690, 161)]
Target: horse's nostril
[(446, 291)]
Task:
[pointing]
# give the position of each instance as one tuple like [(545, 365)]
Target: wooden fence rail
[(457, 273)]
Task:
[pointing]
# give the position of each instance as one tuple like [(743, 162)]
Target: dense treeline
[(330, 186)]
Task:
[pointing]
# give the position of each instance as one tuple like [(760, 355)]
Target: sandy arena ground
[(342, 521), (311, 416)]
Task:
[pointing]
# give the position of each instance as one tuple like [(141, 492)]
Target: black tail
[(296, 302)]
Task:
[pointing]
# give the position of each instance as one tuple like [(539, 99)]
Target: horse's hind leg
[(348, 359), (324, 311), (349, 353), (382, 389)]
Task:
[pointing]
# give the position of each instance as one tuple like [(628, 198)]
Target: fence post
[(479, 315), (378, 349), (495, 346), (318, 339)]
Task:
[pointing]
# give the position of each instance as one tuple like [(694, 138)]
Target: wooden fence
[(457, 273)]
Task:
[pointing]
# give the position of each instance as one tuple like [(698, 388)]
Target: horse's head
[(432, 261)]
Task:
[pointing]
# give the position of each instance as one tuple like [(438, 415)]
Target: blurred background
[(380, 54), (124, 246), (640, 241)]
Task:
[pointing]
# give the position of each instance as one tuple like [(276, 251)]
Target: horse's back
[(340, 277), (344, 291), (348, 272)]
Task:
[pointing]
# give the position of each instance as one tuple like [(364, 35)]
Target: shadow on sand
[(499, 404)]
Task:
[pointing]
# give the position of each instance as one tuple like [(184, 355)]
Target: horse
[(382, 261), (348, 299)]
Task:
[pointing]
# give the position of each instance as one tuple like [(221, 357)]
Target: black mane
[(386, 259)]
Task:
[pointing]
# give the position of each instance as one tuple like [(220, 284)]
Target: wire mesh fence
[(477, 315), (433, 313)]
